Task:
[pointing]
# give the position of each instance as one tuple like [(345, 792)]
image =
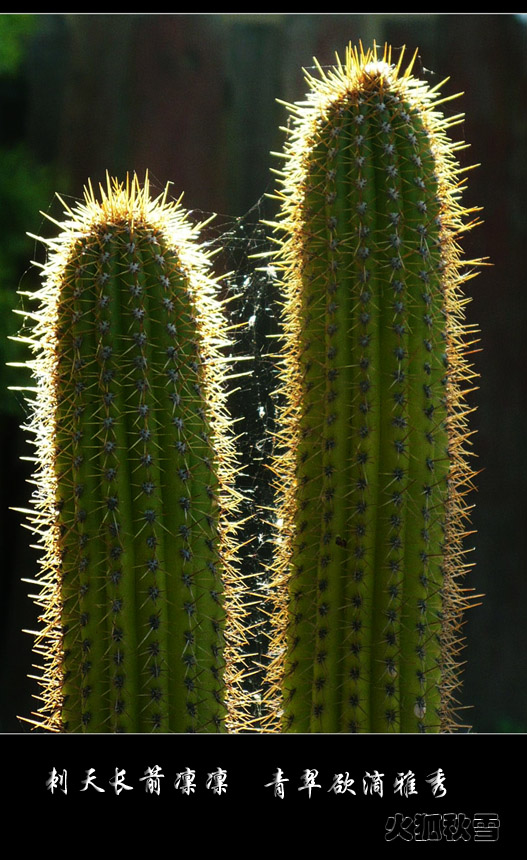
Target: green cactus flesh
[(135, 475), (372, 465)]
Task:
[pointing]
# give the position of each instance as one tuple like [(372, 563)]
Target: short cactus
[(134, 494), (372, 459)]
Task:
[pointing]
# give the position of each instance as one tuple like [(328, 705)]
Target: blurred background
[(193, 99)]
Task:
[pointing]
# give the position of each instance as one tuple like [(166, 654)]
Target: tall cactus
[(135, 475), (372, 459)]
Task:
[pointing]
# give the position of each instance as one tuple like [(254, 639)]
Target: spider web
[(250, 287)]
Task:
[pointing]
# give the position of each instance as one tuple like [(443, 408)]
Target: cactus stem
[(372, 446), (135, 505)]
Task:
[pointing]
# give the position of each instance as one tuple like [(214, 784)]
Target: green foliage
[(14, 31)]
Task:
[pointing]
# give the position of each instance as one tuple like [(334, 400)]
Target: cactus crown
[(134, 502), (372, 443)]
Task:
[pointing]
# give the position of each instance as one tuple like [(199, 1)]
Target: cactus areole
[(134, 474), (372, 460)]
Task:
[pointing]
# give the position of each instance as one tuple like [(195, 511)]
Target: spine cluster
[(372, 462), (135, 475)]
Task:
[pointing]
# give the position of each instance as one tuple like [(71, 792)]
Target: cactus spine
[(134, 481), (373, 467)]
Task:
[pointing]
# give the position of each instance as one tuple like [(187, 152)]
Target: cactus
[(135, 472), (372, 458)]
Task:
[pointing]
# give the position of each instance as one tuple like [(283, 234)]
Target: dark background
[(193, 99)]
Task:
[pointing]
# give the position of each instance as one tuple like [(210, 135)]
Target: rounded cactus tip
[(135, 503)]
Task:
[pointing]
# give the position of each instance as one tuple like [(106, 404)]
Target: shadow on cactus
[(372, 460), (134, 506)]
